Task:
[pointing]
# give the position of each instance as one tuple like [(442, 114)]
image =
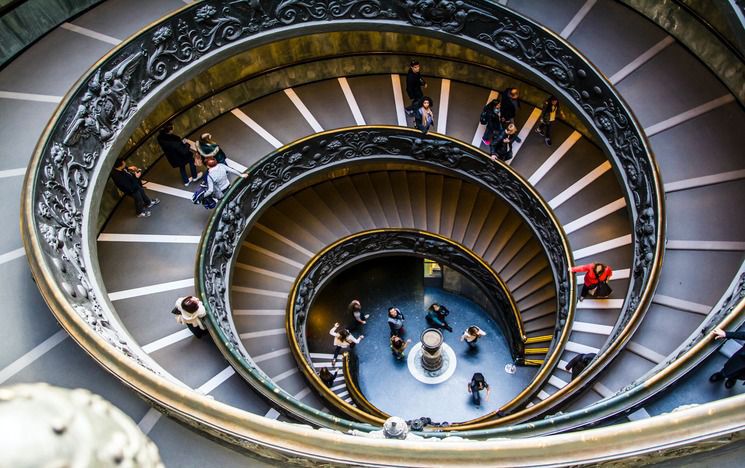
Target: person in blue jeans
[(424, 119), (178, 153), (476, 386)]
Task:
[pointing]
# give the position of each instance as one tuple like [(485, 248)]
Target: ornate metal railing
[(312, 158), (339, 256), (71, 163)]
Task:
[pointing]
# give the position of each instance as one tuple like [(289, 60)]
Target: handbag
[(603, 289)]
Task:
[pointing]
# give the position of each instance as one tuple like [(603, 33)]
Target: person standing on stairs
[(549, 113), (415, 86), (501, 147), (178, 153), (217, 178), (491, 116), (327, 377), (578, 363), (424, 118), (342, 340), (190, 311), (510, 104), (130, 184), (734, 369), (436, 317), (596, 280), (208, 148)]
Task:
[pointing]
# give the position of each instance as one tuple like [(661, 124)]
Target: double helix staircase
[(692, 121)]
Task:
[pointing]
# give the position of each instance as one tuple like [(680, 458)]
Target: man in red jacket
[(596, 279)]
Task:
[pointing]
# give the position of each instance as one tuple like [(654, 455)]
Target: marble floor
[(386, 381)]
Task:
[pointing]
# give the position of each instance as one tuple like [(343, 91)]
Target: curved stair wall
[(727, 239)]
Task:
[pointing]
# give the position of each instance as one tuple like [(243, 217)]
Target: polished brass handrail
[(355, 393)]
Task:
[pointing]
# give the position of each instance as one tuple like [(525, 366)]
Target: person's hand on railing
[(719, 334)]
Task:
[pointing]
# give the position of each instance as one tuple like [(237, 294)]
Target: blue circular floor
[(387, 382)]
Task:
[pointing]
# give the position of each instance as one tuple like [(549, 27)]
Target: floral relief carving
[(101, 107)]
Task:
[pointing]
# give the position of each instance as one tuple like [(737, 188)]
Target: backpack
[(484, 118), (199, 198)]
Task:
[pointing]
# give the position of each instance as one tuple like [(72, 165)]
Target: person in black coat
[(578, 363), (549, 114), (501, 146), (179, 153), (414, 87), (734, 368), (510, 104), (491, 116), (129, 183)]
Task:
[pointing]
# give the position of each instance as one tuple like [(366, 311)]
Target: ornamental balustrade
[(76, 152)]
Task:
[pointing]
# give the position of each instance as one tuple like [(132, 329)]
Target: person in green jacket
[(436, 317)]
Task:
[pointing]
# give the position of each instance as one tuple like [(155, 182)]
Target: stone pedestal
[(432, 340)]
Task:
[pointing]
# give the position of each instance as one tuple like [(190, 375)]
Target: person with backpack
[(476, 386), (217, 178), (491, 116), (596, 280), (549, 114)]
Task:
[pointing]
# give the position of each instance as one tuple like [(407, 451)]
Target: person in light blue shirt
[(217, 178)]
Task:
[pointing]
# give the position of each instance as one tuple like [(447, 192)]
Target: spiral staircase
[(692, 123)]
